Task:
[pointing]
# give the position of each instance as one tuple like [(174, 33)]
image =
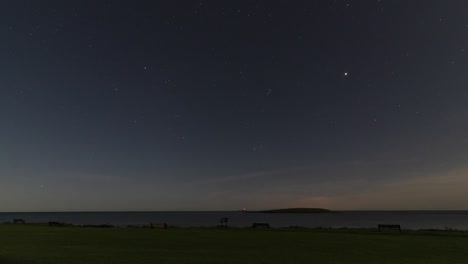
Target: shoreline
[(229, 211), (284, 228)]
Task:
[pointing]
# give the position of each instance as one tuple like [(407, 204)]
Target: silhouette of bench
[(223, 222), (389, 227), (158, 225), (56, 224), (18, 221), (261, 225)]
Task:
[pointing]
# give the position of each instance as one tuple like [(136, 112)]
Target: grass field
[(43, 244)]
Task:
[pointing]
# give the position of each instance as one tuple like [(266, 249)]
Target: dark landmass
[(297, 211)]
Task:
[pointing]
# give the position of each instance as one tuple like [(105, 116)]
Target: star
[(345, 74)]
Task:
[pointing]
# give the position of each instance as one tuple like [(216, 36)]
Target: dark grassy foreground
[(43, 244)]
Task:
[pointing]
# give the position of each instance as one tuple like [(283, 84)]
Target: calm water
[(407, 219)]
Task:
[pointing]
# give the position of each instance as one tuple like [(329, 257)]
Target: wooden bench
[(18, 221), (223, 222), (158, 225), (261, 225), (389, 227)]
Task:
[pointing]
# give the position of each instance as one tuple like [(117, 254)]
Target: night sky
[(221, 105)]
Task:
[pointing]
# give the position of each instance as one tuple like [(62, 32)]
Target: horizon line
[(239, 210)]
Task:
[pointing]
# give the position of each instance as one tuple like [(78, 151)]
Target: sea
[(339, 219)]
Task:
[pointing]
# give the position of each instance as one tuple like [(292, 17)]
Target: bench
[(19, 221), (223, 222), (158, 225), (261, 225), (389, 227)]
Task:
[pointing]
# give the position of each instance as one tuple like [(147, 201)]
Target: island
[(296, 211)]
